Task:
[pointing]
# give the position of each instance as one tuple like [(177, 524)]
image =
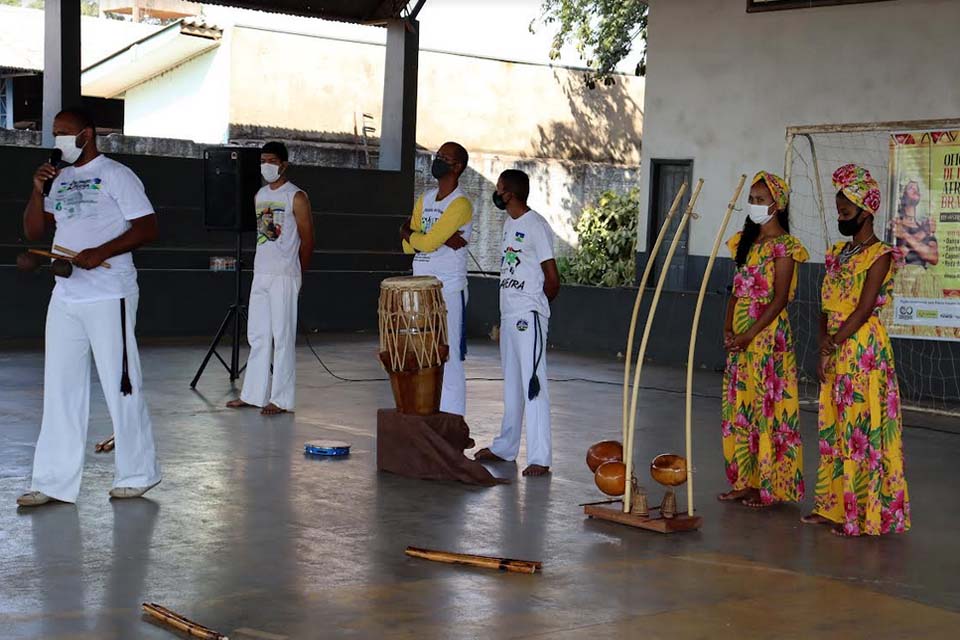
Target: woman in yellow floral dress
[(861, 488), (761, 434)]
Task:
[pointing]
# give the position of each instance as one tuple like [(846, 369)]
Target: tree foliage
[(607, 232), (603, 31)]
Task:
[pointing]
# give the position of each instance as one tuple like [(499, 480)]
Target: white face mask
[(68, 147), (759, 213), (270, 172)]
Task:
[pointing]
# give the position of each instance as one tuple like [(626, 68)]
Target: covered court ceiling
[(359, 11)]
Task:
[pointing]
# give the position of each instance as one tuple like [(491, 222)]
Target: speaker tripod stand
[(236, 314)]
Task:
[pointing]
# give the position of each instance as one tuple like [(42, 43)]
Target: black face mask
[(850, 227), (498, 201), (440, 168)]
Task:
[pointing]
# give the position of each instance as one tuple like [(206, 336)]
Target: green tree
[(603, 32), (607, 232)]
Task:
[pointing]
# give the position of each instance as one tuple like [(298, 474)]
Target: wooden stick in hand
[(50, 254), (486, 562), (73, 254)]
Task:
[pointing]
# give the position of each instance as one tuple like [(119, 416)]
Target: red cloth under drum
[(428, 448)]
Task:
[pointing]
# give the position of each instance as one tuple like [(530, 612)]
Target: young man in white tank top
[(437, 234), (284, 247)]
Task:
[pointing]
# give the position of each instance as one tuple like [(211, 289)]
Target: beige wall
[(489, 106), (724, 84), (190, 102), (527, 110), (303, 83)]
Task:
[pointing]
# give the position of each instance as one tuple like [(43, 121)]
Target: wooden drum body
[(413, 341)]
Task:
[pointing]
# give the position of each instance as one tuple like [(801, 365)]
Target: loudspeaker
[(231, 179)]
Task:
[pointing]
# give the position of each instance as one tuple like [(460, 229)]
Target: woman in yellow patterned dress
[(761, 434), (861, 488)]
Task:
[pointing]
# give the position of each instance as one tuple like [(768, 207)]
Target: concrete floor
[(248, 536)]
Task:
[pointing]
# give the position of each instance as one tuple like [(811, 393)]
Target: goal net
[(928, 357)]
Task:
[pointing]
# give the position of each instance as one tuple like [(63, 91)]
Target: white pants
[(73, 331), (272, 332), (517, 353), (453, 397)]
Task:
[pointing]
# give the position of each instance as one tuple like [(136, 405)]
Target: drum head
[(411, 282), (327, 448)]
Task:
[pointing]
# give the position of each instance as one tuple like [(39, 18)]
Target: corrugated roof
[(21, 38), (358, 11)]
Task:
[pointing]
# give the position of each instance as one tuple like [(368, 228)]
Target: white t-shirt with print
[(93, 205), (527, 243), (278, 239), (449, 265)]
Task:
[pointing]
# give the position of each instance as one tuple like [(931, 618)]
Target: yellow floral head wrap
[(777, 185), (858, 186)]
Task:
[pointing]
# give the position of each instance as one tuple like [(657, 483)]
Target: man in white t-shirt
[(438, 233), (97, 207), (529, 281), (284, 247)]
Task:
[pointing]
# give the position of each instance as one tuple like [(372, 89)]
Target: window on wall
[(776, 5)]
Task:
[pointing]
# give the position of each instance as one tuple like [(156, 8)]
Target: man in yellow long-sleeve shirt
[(437, 234)]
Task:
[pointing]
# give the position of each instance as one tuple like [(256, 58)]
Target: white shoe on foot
[(33, 499), (131, 492)]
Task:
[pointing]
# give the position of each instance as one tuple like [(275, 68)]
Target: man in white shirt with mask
[(98, 207), (437, 234), (529, 281), (284, 247)]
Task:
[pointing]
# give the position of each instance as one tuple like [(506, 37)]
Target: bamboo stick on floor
[(180, 623), (693, 341), (485, 562)]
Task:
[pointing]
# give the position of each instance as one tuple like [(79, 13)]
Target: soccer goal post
[(912, 162)]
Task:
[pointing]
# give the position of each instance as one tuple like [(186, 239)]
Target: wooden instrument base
[(680, 522)]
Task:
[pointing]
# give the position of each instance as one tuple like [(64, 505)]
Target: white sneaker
[(33, 499), (131, 492)]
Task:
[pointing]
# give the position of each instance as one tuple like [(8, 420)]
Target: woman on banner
[(914, 237), (761, 435), (861, 489)]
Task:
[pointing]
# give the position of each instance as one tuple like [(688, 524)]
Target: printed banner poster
[(924, 223)]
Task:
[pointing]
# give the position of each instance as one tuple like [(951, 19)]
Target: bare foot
[(815, 518), (238, 404), (839, 532), (755, 502), (272, 410), (485, 455), (734, 495), (536, 470)]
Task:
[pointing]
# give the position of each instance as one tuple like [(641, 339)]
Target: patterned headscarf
[(777, 185), (858, 186)]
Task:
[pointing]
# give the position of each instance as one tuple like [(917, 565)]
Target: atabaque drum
[(611, 478), (606, 451), (413, 341), (669, 469)]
